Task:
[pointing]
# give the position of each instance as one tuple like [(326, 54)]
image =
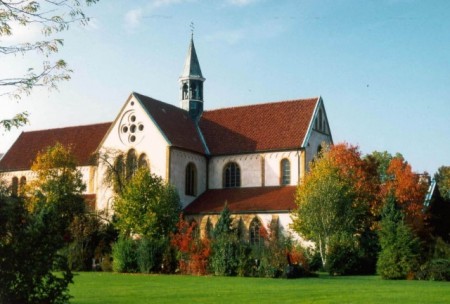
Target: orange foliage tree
[(193, 251), (407, 188)]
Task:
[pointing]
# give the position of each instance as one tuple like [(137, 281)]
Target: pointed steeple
[(191, 65), (191, 84)]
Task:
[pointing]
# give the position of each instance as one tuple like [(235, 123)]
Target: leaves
[(147, 206)]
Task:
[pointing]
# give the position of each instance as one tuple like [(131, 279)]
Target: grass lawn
[(98, 287)]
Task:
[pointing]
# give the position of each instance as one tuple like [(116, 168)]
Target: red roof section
[(175, 123), (83, 141), (260, 199), (260, 127)]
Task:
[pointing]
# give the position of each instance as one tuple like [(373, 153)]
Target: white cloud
[(133, 18)]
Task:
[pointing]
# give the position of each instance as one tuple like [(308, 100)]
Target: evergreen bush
[(124, 255), (399, 247)]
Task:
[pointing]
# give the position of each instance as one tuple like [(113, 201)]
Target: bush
[(150, 254), (224, 259), (435, 270), (124, 255), (29, 245), (399, 247)]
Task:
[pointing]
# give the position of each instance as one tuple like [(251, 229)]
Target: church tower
[(191, 84)]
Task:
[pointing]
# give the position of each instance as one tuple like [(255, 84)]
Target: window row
[(256, 231), (18, 186), (127, 165), (231, 176)]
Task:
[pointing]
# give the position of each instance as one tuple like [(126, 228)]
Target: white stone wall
[(149, 141), (315, 141), (88, 174), (251, 168), (179, 159)]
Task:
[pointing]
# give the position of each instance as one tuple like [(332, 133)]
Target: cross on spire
[(192, 26)]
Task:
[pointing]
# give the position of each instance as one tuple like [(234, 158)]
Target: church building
[(251, 157)]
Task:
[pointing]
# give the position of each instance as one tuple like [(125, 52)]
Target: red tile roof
[(83, 140), (175, 124), (260, 127), (242, 200)]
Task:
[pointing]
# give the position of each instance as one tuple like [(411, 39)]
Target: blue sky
[(381, 66)]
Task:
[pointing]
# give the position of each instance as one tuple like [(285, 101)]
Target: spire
[(191, 83), (191, 65)]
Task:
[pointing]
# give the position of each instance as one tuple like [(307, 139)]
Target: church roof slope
[(174, 122), (261, 127), (244, 200), (83, 141)]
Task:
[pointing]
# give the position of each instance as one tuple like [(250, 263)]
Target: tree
[(332, 202), (442, 177), (51, 17), (147, 207), (35, 228), (408, 189), (399, 246), (58, 181)]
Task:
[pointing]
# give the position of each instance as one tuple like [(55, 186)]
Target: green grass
[(101, 287)]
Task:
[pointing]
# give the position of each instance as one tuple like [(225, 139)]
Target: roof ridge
[(69, 127), (160, 101), (265, 103)]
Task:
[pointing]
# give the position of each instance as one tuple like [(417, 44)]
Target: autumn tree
[(408, 190), (51, 17), (336, 199)]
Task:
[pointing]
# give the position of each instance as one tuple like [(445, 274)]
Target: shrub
[(149, 254), (192, 252), (124, 255), (399, 247), (225, 251), (29, 245)]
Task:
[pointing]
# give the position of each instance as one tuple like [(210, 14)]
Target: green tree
[(51, 17), (35, 228), (399, 246), (147, 207), (224, 259), (442, 177)]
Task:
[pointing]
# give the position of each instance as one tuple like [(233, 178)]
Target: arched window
[(131, 164), (143, 161), (191, 180), (285, 171), (231, 176), (320, 120), (196, 231), (255, 232), (22, 183), (209, 228), (14, 186)]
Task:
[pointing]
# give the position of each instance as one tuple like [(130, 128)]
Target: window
[(131, 164), (231, 176), (22, 183), (255, 232), (320, 120), (191, 180), (143, 161), (285, 171), (14, 186)]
